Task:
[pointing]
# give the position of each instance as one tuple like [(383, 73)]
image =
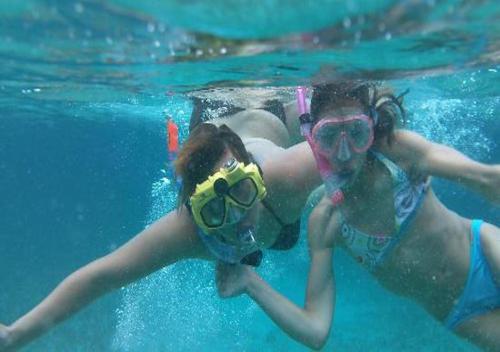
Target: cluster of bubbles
[(459, 123)]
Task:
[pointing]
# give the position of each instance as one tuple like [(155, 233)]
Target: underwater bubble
[(78, 7)]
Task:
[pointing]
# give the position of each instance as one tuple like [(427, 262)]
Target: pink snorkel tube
[(332, 182)]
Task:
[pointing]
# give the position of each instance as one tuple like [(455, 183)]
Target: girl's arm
[(168, 240), (309, 324), (439, 160)]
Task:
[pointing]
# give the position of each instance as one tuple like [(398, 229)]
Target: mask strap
[(399, 98)]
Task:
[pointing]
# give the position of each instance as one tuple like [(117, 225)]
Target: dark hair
[(378, 102), (204, 147)]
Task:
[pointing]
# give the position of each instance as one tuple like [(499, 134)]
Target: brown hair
[(202, 150), (378, 102)]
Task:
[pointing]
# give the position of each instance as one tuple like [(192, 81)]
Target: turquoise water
[(83, 89)]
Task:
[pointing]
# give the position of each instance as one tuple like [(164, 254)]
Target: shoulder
[(176, 226), (295, 163), (262, 149), (408, 147)]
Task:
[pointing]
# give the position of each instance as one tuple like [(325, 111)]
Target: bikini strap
[(273, 213), (397, 174)]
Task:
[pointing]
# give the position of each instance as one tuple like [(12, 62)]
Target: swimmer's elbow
[(318, 340), (318, 336)]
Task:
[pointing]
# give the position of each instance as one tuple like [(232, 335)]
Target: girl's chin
[(346, 173), (349, 178)]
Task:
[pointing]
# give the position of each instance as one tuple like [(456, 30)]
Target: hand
[(5, 338), (232, 279)]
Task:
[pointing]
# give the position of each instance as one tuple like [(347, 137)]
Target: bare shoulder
[(262, 149), (406, 148), (296, 164)]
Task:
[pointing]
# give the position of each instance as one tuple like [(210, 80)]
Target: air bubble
[(79, 8)]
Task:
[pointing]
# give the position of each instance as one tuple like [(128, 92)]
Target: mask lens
[(359, 132), (243, 192), (213, 212), (327, 136)]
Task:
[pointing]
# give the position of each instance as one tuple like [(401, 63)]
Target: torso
[(430, 263)]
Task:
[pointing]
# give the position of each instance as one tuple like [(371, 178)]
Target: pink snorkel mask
[(332, 182), (334, 138)]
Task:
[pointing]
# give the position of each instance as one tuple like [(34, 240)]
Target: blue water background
[(82, 148)]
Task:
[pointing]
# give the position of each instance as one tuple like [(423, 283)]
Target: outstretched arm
[(439, 160), (164, 242), (310, 324)]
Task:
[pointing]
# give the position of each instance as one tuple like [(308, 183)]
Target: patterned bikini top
[(371, 250)]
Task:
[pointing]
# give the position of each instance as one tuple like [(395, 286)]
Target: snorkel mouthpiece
[(337, 197), (246, 235)]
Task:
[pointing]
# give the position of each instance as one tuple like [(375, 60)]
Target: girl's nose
[(344, 152), (234, 214)]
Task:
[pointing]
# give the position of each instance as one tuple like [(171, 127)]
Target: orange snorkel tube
[(172, 144), (172, 138)]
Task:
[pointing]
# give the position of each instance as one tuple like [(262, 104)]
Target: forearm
[(72, 294), (297, 322), (168, 240), (429, 158), (449, 163), (474, 175)]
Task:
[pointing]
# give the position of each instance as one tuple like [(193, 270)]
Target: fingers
[(221, 277), (4, 337), (230, 279), (222, 270)]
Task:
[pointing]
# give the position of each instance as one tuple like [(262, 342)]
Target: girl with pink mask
[(377, 203)]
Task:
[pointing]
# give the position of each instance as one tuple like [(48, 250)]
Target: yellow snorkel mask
[(234, 185)]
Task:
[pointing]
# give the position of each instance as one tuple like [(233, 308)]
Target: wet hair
[(377, 101), (205, 146)]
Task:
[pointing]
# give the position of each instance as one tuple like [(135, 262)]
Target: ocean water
[(84, 86)]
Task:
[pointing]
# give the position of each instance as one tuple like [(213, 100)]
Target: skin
[(429, 266), (174, 236), (249, 122)]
